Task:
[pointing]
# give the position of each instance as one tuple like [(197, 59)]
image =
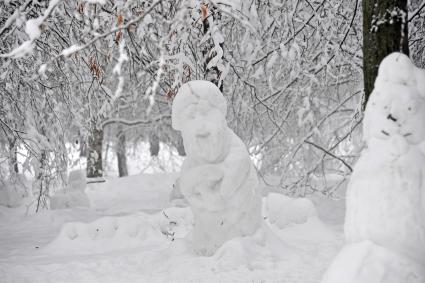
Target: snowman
[(385, 216), (218, 179)]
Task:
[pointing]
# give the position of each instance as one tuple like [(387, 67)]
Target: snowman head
[(396, 68), (199, 112), (395, 110)]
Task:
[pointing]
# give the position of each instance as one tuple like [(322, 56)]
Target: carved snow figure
[(217, 179), (385, 217)]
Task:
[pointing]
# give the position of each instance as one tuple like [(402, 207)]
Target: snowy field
[(131, 233)]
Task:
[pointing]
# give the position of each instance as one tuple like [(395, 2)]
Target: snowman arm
[(198, 177), (237, 169)]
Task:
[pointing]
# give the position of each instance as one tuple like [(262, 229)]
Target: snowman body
[(385, 214), (385, 201)]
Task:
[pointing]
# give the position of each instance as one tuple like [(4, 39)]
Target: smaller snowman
[(385, 216)]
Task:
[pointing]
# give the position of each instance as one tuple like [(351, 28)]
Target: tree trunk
[(180, 146), (154, 145), (384, 31), (83, 147), (121, 153), (40, 184), (94, 156), (13, 158)]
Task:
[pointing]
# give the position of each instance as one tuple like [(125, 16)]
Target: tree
[(121, 153), (385, 30)]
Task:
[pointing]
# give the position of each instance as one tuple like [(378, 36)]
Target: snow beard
[(209, 144)]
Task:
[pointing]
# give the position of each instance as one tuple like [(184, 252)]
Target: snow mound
[(366, 262), (258, 251), (103, 235), (282, 210), (311, 232), (295, 220)]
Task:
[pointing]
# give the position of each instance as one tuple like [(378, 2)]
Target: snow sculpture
[(217, 179), (386, 194), (73, 195)]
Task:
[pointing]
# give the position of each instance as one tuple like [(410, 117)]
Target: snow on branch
[(134, 122), (32, 29)]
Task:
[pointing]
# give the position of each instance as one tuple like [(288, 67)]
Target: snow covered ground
[(132, 234)]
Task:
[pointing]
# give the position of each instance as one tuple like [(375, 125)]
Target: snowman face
[(204, 132), (395, 109)]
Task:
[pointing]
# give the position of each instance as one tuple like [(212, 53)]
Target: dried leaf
[(120, 20), (204, 11), (118, 36)]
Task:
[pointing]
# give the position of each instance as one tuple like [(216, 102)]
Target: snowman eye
[(410, 108)]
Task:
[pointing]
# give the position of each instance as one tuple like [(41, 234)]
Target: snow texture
[(73, 195), (218, 179), (385, 216)]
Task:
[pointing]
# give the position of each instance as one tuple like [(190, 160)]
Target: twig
[(329, 153), (415, 13)]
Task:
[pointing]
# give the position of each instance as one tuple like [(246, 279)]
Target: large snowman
[(385, 216), (218, 179)]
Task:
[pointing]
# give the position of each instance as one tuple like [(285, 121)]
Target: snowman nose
[(390, 117)]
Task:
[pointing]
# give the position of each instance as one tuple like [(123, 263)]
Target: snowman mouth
[(387, 134)]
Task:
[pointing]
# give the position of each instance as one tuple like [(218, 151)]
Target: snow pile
[(282, 210), (105, 234), (256, 251), (74, 193), (217, 179), (13, 192), (295, 219), (127, 236), (385, 217)]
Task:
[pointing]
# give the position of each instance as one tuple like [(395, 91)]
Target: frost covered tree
[(91, 70)]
